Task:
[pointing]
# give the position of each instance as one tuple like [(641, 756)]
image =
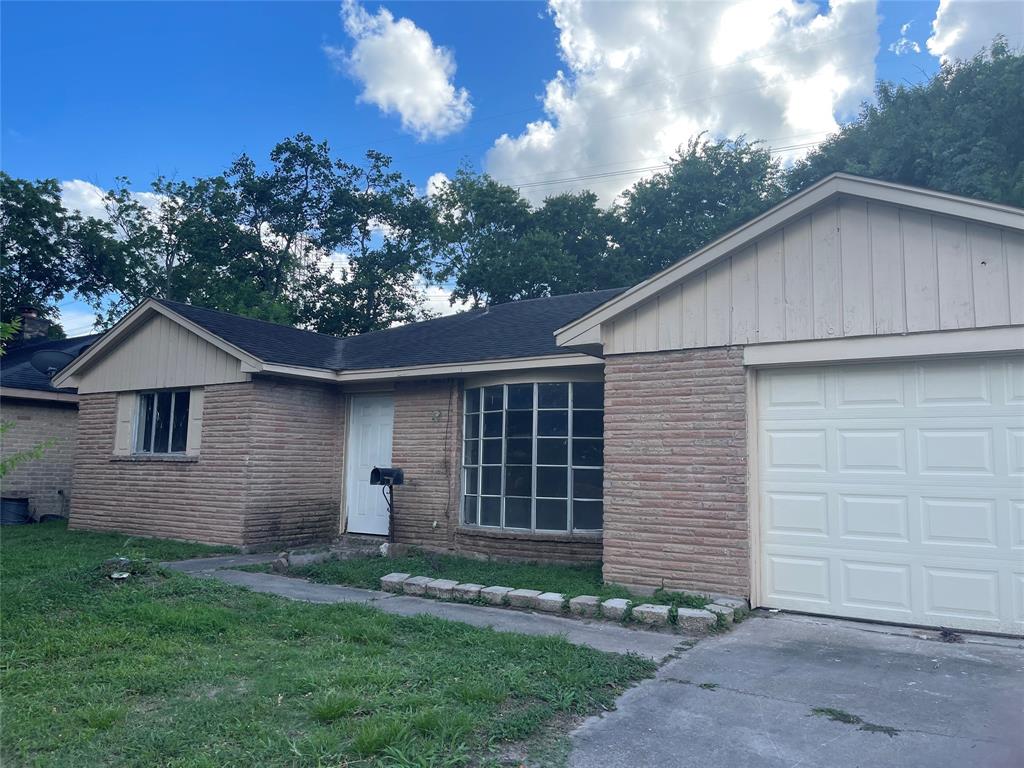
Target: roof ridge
[(172, 304)]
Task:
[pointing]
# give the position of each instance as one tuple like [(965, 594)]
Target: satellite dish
[(49, 361)]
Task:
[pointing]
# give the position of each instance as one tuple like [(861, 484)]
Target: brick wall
[(426, 444), (46, 481), (676, 471), (295, 463), (201, 499), (508, 545)]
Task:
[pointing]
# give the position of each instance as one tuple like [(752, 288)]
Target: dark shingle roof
[(516, 329), (17, 371), (269, 342)]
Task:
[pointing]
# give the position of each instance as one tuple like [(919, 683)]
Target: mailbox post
[(387, 478)]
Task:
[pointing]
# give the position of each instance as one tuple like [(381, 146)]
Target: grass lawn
[(167, 670), (570, 580)]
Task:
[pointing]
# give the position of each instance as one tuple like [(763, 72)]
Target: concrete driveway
[(884, 697)]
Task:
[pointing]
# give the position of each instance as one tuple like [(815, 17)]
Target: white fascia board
[(973, 341), (66, 377), (460, 369), (836, 184), (36, 394)]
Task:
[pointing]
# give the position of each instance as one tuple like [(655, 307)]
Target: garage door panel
[(958, 522), (948, 383), (874, 518), (902, 499), (797, 514), (956, 452), (799, 389), (884, 586), (871, 450)]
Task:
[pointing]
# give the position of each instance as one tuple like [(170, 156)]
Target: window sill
[(170, 458), (480, 532)]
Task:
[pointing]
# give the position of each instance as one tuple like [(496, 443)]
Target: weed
[(840, 716)]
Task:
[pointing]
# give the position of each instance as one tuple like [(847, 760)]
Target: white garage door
[(895, 492)]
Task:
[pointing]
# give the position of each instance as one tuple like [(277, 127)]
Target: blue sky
[(92, 91)]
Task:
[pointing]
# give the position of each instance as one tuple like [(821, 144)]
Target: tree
[(36, 243), (495, 247), (960, 132), (708, 189)]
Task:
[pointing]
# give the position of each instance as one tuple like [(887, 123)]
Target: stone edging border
[(723, 611)]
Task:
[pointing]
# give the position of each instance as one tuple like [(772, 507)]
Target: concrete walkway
[(604, 636), (747, 698)]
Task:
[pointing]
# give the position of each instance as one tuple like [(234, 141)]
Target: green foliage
[(569, 580), (171, 670), (11, 461), (959, 132)]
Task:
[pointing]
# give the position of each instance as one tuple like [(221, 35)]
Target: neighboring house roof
[(583, 331), (512, 330), (18, 373)]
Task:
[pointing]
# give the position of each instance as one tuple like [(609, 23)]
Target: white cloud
[(437, 299), (401, 70), (87, 198), (76, 317), (962, 28), (643, 78), (436, 183), (904, 45)]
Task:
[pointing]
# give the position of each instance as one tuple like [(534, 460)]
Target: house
[(822, 410), (39, 413)]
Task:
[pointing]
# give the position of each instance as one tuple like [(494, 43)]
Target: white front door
[(895, 491), (372, 420)]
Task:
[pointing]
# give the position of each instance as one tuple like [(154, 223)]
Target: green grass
[(168, 670), (570, 580)]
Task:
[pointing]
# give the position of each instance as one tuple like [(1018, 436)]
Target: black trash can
[(14, 511)]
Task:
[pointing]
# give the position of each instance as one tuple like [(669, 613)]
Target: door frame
[(350, 397)]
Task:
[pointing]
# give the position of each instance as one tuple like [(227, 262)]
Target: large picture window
[(533, 456), (161, 422)]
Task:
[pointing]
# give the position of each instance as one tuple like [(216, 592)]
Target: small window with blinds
[(161, 422)]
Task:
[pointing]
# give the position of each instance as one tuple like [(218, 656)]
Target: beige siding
[(849, 267), (160, 354)]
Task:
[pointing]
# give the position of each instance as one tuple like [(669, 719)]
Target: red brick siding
[(201, 500), (426, 444), (295, 463), (675, 479), (46, 481), (505, 545)]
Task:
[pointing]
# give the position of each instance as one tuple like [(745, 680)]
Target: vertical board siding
[(160, 354), (849, 267)]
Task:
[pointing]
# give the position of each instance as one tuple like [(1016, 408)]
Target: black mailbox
[(386, 476)]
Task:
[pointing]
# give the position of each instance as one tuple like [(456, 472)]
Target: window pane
[(587, 453), (490, 510), (472, 478), (179, 429), (494, 398), (587, 515), (552, 451), (551, 515), (519, 451), (588, 394), (552, 481), (469, 510), (490, 481), (587, 423), (552, 395), (492, 424), (586, 483), (472, 452), (518, 481), (520, 423), (472, 425), (492, 451), (520, 397), (553, 423), (144, 429), (162, 429), (517, 513), (472, 401)]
